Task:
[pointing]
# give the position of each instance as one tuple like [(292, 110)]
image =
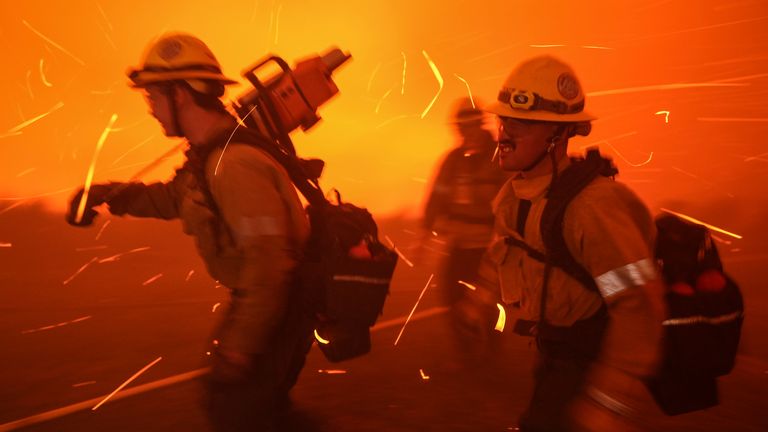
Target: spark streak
[(373, 75), (502, 320), (216, 306), (546, 46), (393, 119), (320, 338), (152, 279), (80, 270), (118, 256), (414, 308), (17, 129), (103, 227), (61, 324), (83, 383), (277, 22), (332, 371), (402, 86), (424, 376), (6, 245), (54, 44), (29, 85), (471, 99), (647, 161), (673, 86), (92, 168), (189, 275), (378, 105), (132, 149), (734, 119), (440, 81), (712, 227), (397, 251), (25, 172), (221, 156), (666, 115), (136, 375), (468, 285)]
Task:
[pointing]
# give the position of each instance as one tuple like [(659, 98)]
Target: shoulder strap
[(567, 186)]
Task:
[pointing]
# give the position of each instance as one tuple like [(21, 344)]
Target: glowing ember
[(103, 227), (414, 308), (320, 338), (42, 75), (61, 324), (469, 90), (397, 251), (54, 44), (80, 270), (373, 75), (440, 81), (216, 171), (378, 105), (16, 130), (332, 371), (674, 86), (502, 320), (118, 256), (92, 168), (152, 279), (402, 86), (468, 285), (128, 381)]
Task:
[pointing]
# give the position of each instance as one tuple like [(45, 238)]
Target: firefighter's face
[(522, 142), (159, 104)]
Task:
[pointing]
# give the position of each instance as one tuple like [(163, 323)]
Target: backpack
[(705, 306), (344, 276)]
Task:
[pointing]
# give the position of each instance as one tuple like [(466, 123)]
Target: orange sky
[(712, 150)]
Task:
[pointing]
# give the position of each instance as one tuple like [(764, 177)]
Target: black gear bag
[(345, 273)]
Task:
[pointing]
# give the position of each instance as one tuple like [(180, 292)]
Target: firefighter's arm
[(612, 236), (246, 193), (157, 200)]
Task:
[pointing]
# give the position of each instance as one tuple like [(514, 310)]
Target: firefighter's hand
[(474, 315), (97, 195)]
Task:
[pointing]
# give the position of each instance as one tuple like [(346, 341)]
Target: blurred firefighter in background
[(595, 346), (248, 223), (458, 211)]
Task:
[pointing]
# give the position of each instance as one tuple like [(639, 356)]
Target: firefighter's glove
[(97, 195), (475, 316)]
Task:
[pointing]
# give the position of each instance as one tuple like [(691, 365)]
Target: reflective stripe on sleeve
[(628, 276)]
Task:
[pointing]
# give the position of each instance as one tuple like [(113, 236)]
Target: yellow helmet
[(178, 56), (465, 110), (542, 88)]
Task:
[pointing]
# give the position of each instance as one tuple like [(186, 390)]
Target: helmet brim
[(142, 78), (504, 110)]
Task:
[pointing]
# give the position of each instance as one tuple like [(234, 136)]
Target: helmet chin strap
[(548, 151)]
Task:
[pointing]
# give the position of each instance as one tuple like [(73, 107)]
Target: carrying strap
[(566, 187)]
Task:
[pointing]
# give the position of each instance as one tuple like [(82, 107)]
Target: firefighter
[(458, 212), (248, 224), (595, 347)]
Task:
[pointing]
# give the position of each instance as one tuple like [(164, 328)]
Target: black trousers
[(259, 401), (564, 358)]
